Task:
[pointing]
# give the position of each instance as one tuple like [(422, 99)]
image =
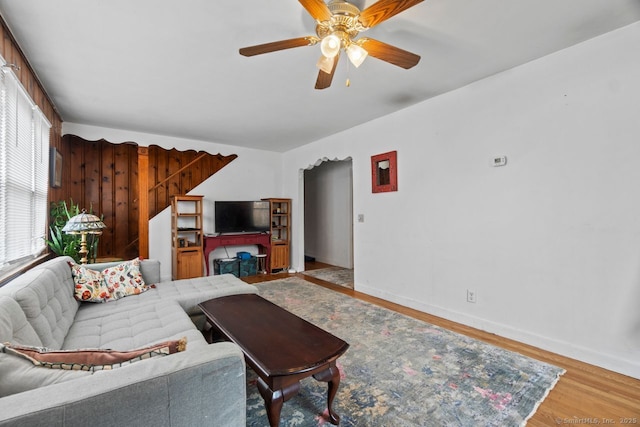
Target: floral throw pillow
[(89, 284), (124, 279), (110, 284)]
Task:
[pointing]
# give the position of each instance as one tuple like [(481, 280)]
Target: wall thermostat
[(499, 161)]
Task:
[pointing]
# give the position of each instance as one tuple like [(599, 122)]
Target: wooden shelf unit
[(280, 233), (187, 236)]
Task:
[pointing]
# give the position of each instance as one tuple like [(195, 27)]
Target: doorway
[(328, 221)]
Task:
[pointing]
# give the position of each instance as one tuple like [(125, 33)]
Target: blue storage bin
[(227, 266), (249, 267)]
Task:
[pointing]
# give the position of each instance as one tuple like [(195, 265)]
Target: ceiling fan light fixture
[(330, 45), (338, 26), (325, 64), (357, 54)]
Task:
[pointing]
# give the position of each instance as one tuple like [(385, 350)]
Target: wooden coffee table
[(279, 346)]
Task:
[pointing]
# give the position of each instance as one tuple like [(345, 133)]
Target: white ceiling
[(172, 67)]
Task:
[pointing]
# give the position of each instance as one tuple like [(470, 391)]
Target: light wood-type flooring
[(585, 395)]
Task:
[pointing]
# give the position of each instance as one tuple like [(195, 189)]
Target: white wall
[(255, 174), (550, 242), (328, 226)]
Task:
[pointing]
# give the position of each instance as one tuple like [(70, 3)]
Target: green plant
[(62, 243)]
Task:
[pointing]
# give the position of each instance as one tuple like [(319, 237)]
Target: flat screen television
[(241, 217)]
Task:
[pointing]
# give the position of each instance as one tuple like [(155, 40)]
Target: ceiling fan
[(338, 24)]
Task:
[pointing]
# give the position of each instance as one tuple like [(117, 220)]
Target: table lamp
[(84, 224)]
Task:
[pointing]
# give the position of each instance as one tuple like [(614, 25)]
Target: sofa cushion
[(190, 292), (144, 324), (187, 292), (46, 298), (93, 359), (14, 326)]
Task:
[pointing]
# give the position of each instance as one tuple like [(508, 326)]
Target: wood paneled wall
[(103, 177), (173, 172)]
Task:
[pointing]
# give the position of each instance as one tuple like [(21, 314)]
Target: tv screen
[(242, 216)]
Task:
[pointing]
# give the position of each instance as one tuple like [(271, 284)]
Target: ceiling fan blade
[(324, 79), (317, 8), (388, 53), (383, 10), (279, 45)]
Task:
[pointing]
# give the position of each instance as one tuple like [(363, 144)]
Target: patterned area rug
[(400, 371), (336, 275)]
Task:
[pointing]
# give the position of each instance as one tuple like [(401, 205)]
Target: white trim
[(607, 361)]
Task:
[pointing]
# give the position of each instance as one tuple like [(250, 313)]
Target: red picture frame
[(384, 172)]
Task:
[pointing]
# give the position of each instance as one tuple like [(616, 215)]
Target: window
[(24, 167)]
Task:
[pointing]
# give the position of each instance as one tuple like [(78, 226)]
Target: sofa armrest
[(203, 386)]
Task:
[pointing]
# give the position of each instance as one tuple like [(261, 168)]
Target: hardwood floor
[(585, 394)]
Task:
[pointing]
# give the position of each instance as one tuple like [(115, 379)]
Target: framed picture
[(55, 168), (384, 172)]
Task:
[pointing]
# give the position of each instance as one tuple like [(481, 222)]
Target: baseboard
[(583, 354)]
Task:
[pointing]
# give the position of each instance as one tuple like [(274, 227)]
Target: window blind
[(24, 171)]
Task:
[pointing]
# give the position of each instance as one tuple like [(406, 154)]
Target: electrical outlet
[(471, 296)]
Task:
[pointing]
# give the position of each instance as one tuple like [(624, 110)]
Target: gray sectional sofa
[(201, 386)]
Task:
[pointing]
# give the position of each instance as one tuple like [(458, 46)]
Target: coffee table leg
[(332, 377), (273, 401)]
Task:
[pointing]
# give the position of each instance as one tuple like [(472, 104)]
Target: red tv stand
[(263, 240)]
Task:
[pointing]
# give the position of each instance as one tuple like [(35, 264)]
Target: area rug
[(400, 371), (336, 275)]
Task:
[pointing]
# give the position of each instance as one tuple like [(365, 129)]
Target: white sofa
[(204, 385)]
